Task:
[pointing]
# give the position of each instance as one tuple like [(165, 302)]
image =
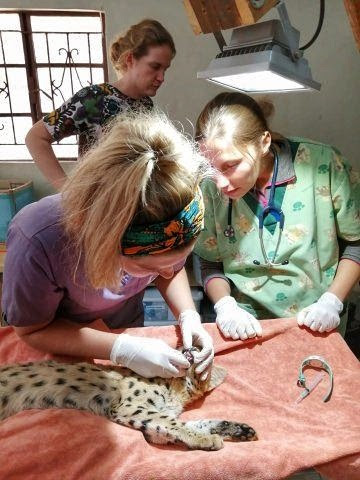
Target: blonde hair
[(143, 170), (137, 40), (234, 117)]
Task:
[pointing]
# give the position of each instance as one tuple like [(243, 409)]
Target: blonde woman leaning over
[(140, 58), (128, 215)]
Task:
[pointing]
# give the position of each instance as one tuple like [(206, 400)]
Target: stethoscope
[(270, 209)]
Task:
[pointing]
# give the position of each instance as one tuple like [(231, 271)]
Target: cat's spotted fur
[(150, 405)]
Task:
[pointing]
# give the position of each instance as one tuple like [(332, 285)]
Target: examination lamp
[(263, 57)]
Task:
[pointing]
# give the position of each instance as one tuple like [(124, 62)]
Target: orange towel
[(260, 389)]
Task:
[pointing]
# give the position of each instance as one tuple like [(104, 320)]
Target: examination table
[(260, 389)]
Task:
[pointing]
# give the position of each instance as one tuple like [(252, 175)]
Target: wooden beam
[(251, 15), (352, 8), (208, 16)]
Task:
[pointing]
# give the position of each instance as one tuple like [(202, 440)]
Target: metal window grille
[(45, 57)]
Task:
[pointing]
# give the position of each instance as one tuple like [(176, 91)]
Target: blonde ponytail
[(142, 171)]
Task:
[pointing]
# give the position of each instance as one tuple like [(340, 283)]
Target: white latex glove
[(235, 322), (149, 357), (195, 335), (323, 315)]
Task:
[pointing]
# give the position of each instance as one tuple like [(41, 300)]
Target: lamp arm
[(287, 27), (220, 40)]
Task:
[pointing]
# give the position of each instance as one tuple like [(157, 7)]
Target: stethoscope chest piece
[(229, 233)]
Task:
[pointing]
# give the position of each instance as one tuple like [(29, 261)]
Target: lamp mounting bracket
[(288, 31), (220, 40)]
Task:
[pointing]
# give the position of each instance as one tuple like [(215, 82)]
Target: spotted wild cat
[(150, 405)]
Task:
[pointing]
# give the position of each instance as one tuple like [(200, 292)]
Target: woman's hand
[(323, 315), (149, 357), (235, 322), (194, 334)]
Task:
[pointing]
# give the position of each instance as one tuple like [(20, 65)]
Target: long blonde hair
[(136, 40), (143, 170)]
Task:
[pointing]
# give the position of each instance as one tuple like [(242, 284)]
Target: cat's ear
[(217, 376)]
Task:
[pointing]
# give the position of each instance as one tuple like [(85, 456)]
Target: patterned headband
[(164, 236)]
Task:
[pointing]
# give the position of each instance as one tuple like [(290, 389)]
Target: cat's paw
[(208, 442), (237, 432)]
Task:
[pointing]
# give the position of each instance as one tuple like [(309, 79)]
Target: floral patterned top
[(321, 208), (86, 113)]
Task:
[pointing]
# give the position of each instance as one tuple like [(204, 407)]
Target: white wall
[(331, 116)]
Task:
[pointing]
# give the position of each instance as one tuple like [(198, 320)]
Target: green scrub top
[(320, 206)]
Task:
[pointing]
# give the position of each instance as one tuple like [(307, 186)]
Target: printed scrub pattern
[(88, 111), (320, 207)]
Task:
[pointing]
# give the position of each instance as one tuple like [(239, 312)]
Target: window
[(45, 57)]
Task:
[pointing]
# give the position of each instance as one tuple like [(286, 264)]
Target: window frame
[(31, 66)]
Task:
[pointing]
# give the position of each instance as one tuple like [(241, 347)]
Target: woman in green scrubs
[(310, 269)]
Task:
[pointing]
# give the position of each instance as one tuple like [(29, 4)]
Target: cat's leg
[(233, 431), (164, 429)]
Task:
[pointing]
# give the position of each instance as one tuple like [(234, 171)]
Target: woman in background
[(140, 58), (128, 215), (301, 275)]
